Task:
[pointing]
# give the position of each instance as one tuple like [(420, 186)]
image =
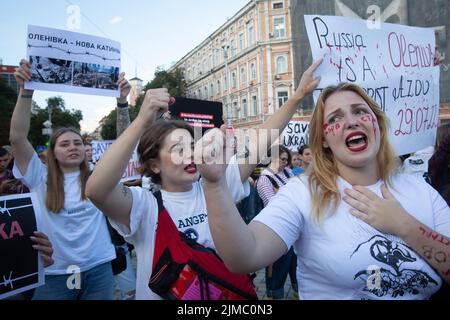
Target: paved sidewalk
[(260, 284)]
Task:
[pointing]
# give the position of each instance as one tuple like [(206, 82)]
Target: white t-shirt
[(188, 212), (335, 259), (78, 233)]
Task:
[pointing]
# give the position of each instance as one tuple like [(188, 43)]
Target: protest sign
[(66, 61), (198, 113), (20, 267), (295, 135), (393, 64), (99, 147)]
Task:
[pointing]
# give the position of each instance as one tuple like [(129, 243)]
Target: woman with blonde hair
[(357, 225), (77, 229)]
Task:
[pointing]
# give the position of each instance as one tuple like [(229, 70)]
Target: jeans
[(94, 284), (276, 275), (126, 280)]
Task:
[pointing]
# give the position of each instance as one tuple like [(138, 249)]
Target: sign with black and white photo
[(21, 268), (198, 113), (72, 62)]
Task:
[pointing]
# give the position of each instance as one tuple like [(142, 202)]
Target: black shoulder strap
[(273, 182), (286, 173), (158, 197)]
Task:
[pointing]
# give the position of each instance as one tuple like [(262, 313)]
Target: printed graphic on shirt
[(397, 275), (191, 221), (191, 234)]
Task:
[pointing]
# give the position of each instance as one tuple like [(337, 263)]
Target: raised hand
[(124, 87), (23, 73), (155, 104), (384, 214), (210, 156), (307, 83)]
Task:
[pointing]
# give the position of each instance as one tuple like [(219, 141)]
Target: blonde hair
[(324, 171), (55, 197)]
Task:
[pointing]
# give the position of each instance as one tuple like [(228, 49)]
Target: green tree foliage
[(8, 99), (174, 81), (109, 123), (61, 117)]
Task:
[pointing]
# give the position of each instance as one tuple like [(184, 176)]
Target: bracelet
[(26, 96), (122, 105)]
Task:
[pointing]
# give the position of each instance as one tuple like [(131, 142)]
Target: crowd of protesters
[(329, 210)]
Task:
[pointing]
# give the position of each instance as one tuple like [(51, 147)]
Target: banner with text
[(198, 113), (72, 62), (393, 64), (295, 135), (99, 147), (21, 268)]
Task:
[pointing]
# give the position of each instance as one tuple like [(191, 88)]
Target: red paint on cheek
[(329, 129), (338, 126)]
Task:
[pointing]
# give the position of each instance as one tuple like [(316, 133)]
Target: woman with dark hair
[(77, 229), (166, 154), (357, 225)]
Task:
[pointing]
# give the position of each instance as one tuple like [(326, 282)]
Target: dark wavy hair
[(151, 143)]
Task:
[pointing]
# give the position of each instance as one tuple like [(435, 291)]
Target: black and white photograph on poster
[(49, 70), (66, 61), (95, 76), (20, 267)]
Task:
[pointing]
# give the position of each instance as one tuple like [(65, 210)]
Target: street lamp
[(225, 48), (229, 131), (48, 130)]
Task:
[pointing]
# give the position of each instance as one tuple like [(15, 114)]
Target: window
[(211, 90), (225, 83), (219, 88), (211, 62), (279, 27), (233, 80), (244, 108), (232, 48), (217, 56), (277, 5), (282, 97), (251, 36), (254, 106), (281, 65), (199, 94), (253, 71), (241, 42), (206, 93), (235, 110), (243, 77)]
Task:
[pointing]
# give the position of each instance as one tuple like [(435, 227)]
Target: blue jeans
[(95, 284), (276, 275), (126, 280)]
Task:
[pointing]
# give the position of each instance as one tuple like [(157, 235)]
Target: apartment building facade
[(247, 64)]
